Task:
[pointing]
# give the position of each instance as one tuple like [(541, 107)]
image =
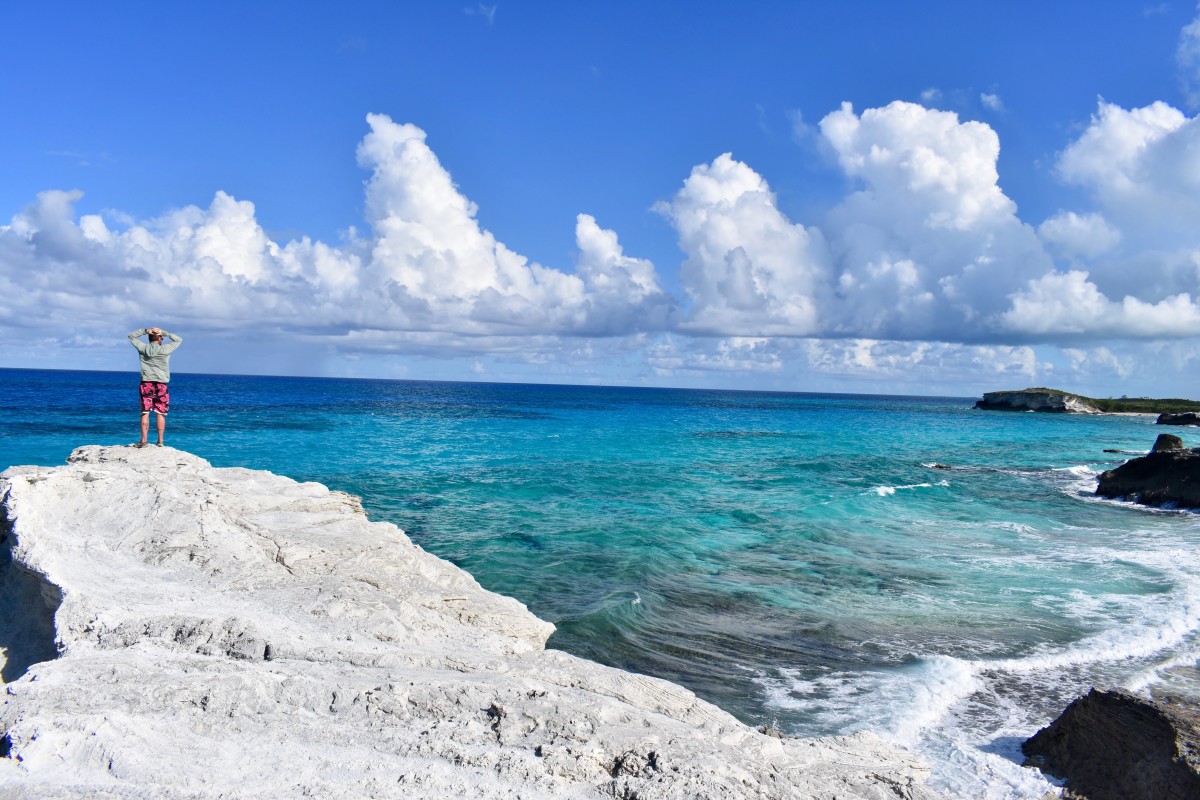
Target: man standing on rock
[(156, 374)]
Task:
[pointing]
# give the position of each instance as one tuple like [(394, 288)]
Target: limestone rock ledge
[(172, 630), (1036, 400)]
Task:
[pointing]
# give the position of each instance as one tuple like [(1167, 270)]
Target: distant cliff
[(1050, 400), (1060, 402)]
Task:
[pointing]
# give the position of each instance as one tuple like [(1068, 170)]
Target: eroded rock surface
[(1032, 400), (171, 630), (1167, 476), (1113, 745), (1166, 442)]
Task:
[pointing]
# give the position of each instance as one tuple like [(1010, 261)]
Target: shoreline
[(255, 608)]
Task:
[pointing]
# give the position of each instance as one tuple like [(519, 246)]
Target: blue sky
[(632, 193)]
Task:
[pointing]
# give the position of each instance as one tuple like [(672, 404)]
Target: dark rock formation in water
[(1113, 745), (1036, 400), (1186, 418), (1166, 441), (1168, 476)]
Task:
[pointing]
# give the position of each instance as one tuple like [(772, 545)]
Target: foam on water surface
[(887, 491)]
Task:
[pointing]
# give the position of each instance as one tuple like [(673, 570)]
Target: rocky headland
[(170, 630), (1046, 400), (1056, 401), (1169, 475)]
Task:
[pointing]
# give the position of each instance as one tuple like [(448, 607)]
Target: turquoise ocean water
[(797, 559)]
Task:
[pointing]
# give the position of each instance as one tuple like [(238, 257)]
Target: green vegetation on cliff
[(1139, 405)]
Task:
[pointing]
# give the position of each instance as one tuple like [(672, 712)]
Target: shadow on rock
[(26, 611)]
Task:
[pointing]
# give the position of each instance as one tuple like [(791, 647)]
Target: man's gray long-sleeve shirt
[(155, 357)]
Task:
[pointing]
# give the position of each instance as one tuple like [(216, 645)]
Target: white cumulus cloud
[(436, 267), (1070, 304), (749, 269), (923, 266), (1136, 257), (930, 245), (1079, 234), (427, 269), (1143, 167)]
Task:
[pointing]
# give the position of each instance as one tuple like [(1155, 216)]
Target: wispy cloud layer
[(1188, 58)]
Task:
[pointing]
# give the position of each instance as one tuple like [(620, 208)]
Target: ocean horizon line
[(784, 392)]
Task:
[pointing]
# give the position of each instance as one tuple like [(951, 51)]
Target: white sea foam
[(1095, 609), (1089, 497), (944, 681), (1082, 485), (1082, 470), (1079, 480), (1157, 673), (1007, 525), (919, 695), (913, 708), (967, 717), (1157, 623), (887, 491), (988, 770)]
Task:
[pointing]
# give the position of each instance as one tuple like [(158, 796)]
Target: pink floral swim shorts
[(155, 396)]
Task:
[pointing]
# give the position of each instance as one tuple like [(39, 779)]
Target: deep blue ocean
[(818, 563)]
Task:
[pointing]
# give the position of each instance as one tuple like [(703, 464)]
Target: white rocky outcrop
[(1036, 400), (171, 630)]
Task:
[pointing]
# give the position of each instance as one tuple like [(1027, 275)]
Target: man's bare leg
[(145, 427), (162, 426)]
